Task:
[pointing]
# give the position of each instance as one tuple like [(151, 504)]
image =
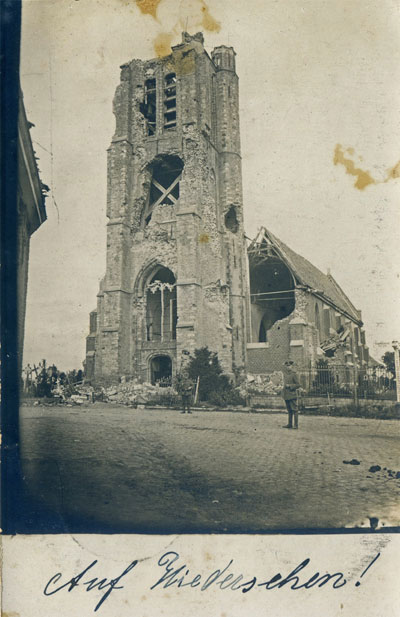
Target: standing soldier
[(184, 386), (291, 385)]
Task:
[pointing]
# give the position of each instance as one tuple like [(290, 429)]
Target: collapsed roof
[(305, 274)]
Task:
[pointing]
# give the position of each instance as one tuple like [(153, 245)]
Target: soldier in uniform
[(184, 386), (291, 385)]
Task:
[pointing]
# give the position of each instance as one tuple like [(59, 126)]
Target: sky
[(319, 113)]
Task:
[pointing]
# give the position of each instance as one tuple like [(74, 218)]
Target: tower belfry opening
[(164, 187), (149, 106), (170, 101)]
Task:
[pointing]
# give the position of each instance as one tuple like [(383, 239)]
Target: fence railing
[(347, 381)]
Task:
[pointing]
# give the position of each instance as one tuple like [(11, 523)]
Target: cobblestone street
[(159, 471)]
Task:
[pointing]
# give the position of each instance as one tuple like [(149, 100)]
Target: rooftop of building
[(33, 190)]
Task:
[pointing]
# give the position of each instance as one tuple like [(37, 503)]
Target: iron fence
[(347, 381)]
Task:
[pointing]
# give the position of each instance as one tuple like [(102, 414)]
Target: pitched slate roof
[(308, 275)]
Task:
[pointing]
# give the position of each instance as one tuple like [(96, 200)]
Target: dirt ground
[(111, 468)]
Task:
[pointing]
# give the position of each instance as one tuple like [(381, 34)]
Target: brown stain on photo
[(364, 178), (184, 63), (204, 238), (394, 172), (162, 44), (208, 22), (148, 7), (162, 41)]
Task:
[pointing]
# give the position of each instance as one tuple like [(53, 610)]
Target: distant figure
[(184, 386), (291, 385)]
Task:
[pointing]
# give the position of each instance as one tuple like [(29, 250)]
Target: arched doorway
[(161, 371)]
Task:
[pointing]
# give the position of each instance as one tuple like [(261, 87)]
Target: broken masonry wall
[(290, 338), (99, 338), (330, 321), (121, 104), (91, 347), (270, 356), (302, 335), (114, 336)]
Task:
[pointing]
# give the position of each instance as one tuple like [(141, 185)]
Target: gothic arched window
[(161, 307)]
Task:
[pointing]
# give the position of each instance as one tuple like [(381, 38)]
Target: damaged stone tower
[(176, 276)]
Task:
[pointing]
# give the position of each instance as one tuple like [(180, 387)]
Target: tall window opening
[(326, 314), (271, 292), (161, 307), (317, 321), (262, 335), (170, 101), (164, 187), (149, 106)]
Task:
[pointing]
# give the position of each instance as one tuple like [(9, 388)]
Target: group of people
[(290, 393)]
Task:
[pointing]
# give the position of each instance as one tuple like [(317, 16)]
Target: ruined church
[(180, 274)]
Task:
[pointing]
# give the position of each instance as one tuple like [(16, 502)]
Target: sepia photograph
[(208, 267)]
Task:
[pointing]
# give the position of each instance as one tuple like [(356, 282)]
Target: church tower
[(176, 275)]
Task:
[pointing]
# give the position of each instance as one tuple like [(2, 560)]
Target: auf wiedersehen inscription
[(177, 574)]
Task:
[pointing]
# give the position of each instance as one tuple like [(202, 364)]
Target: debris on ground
[(262, 384), (78, 399), (137, 394)]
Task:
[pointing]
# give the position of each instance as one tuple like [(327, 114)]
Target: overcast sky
[(319, 85)]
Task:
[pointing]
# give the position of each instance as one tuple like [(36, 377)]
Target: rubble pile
[(137, 394), (337, 340), (271, 384), (75, 394)]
